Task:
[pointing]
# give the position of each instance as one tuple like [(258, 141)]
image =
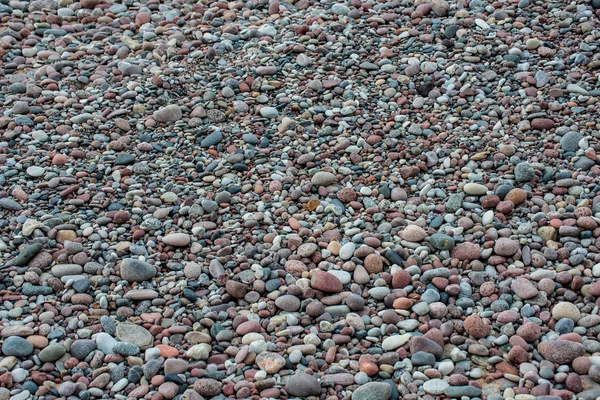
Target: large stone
[(466, 251), (303, 385), (199, 351), (414, 233), (524, 288), (208, 387), (441, 241), (133, 270), (373, 391), (323, 178), (288, 303), (271, 363), (52, 353), (561, 351), (80, 349), (476, 327), (566, 310), (421, 343), (170, 113), (177, 239), (506, 247), (135, 334), (16, 346), (570, 141), (475, 189), (325, 282)]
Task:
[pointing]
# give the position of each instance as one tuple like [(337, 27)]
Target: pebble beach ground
[(364, 200)]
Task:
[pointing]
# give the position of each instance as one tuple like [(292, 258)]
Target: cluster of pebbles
[(263, 199)]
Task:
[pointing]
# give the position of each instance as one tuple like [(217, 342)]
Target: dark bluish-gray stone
[(454, 202), (240, 167), (117, 373), (460, 391), (502, 190), (369, 66), (17, 88), (80, 349), (27, 254), (55, 32), (108, 325), (393, 257), (435, 273), (212, 139), (10, 204), (596, 4), (82, 285), (395, 393), (56, 334), (436, 221), (135, 374), (126, 349), (570, 141), (31, 290), (134, 270), (564, 325), (174, 378), (272, 285), (124, 159), (422, 358), (190, 294), (84, 395), (209, 205), (250, 138), (584, 163), (152, 367), (373, 391), (30, 386), (223, 197), (17, 346), (52, 352), (430, 296), (513, 58), (22, 120), (441, 241), (450, 31), (524, 172)]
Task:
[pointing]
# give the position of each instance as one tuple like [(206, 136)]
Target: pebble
[(303, 385), (299, 199)]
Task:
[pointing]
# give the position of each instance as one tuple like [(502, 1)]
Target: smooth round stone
[(17, 346), (446, 367), (564, 325), (566, 310), (52, 353), (200, 351), (323, 178), (435, 386), (133, 270), (269, 112), (373, 391), (441, 241), (475, 189), (35, 171), (347, 251), (177, 239), (80, 349), (393, 342), (135, 334), (288, 303), (295, 356)]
